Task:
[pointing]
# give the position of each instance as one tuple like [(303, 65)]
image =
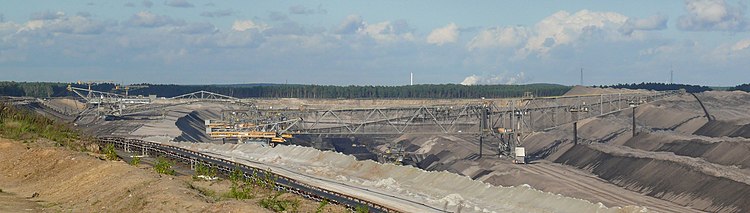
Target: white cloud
[(148, 19), (495, 79), (196, 28), (385, 31), (657, 22), (64, 24), (564, 28), (350, 25), (47, 15), (741, 45), (712, 15), (245, 25), (499, 37), (443, 35)]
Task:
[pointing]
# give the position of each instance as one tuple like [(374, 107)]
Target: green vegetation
[(25, 125), (273, 203), (44, 89), (246, 188), (205, 170), (362, 209), (164, 166), (135, 161), (242, 187), (321, 206), (741, 87), (662, 87), (109, 152)]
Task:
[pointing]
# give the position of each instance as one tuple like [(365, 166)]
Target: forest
[(51, 89), (660, 87), (741, 87)]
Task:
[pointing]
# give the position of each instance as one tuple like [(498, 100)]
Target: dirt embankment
[(686, 181), (678, 162), (53, 179), (724, 128), (723, 151), (193, 126)]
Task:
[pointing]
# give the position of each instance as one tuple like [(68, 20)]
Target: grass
[(109, 152), (242, 187), (24, 125), (273, 203), (205, 170), (164, 166), (322, 205), (136, 161), (361, 209)]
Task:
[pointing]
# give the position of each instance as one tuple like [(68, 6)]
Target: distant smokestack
[(411, 79), (671, 75), (581, 76)]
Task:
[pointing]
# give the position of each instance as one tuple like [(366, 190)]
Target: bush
[(109, 152), (242, 188), (205, 170), (278, 205), (321, 206), (164, 166), (362, 209), (136, 161)]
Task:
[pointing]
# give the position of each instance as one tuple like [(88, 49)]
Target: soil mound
[(65, 181)]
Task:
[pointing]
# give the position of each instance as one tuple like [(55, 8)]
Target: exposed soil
[(38, 177)]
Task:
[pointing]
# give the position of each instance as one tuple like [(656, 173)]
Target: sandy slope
[(73, 181)]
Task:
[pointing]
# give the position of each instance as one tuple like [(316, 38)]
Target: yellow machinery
[(244, 131), (272, 137)]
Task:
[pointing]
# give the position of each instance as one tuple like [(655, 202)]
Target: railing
[(283, 183)]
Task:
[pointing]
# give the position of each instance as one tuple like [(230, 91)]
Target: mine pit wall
[(717, 128), (193, 126), (49, 112), (662, 179), (729, 153)]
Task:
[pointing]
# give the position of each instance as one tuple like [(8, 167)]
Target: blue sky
[(375, 42)]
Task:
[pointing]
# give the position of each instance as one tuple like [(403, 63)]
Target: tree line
[(741, 87), (53, 89), (660, 87)]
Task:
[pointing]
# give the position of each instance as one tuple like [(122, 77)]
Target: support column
[(575, 133), (634, 132)]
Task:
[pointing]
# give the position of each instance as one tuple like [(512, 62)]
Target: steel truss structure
[(112, 104), (508, 120)]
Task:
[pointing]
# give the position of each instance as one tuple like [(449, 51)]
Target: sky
[(376, 42)]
